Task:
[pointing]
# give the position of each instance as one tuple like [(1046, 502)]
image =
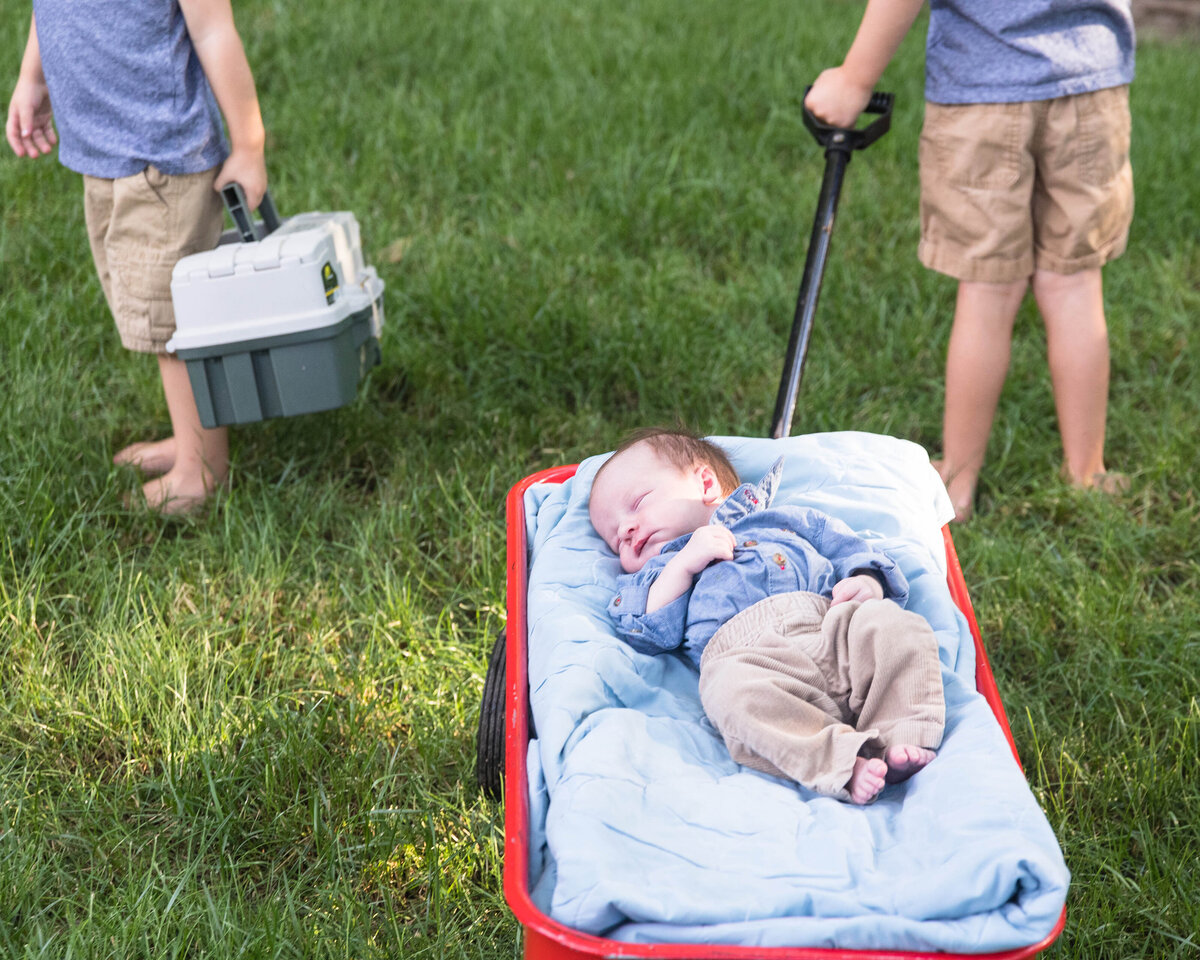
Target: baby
[(805, 669)]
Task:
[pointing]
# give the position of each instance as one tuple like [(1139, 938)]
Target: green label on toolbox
[(329, 278)]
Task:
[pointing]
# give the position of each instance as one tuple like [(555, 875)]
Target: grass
[(251, 734)]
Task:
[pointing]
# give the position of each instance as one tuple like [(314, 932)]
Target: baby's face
[(640, 502)]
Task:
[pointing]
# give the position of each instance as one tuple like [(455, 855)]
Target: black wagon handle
[(239, 212), (828, 135), (839, 144)]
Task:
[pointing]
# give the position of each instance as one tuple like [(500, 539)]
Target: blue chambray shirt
[(779, 550)]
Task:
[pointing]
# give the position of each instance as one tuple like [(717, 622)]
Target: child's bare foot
[(904, 760), (152, 458), (960, 484), (177, 494), (1104, 481), (867, 779)]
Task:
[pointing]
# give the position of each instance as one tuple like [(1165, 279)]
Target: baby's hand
[(863, 586), (707, 544), (710, 542)]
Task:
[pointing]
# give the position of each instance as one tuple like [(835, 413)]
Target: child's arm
[(709, 543), (840, 94), (30, 128), (215, 37)]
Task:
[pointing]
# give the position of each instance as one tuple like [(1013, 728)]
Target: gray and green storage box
[(283, 325)]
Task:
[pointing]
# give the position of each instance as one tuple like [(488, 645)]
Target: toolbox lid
[(306, 275), (367, 294)]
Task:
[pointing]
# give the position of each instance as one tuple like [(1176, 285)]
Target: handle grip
[(841, 138), (239, 212)]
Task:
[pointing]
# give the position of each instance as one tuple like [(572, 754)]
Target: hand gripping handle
[(239, 212), (839, 138)]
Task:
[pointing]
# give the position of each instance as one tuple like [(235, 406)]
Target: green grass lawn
[(252, 734)]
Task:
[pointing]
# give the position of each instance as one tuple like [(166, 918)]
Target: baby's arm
[(840, 94), (708, 543), (215, 37), (30, 127)]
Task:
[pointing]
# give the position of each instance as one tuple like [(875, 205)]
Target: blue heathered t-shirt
[(1012, 51), (127, 88)]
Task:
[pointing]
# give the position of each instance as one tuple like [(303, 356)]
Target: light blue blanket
[(644, 830)]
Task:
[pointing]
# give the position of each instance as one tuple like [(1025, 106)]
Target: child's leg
[(976, 366), (201, 455), (1072, 307), (139, 227)]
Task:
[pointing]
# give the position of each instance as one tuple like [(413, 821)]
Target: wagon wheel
[(489, 741)]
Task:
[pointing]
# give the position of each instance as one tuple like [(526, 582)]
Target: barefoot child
[(133, 85), (805, 669), (1025, 182)]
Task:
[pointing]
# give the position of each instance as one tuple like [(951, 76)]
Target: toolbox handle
[(239, 212), (840, 138)]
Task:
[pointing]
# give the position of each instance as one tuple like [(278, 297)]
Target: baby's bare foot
[(867, 779), (153, 459), (904, 760)]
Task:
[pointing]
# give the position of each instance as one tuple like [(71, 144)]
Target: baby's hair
[(682, 450)]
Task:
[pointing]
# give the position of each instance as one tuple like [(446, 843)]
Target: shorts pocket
[(141, 302), (973, 145), (141, 274), (1104, 134)]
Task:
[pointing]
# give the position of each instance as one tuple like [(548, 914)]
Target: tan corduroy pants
[(799, 689)]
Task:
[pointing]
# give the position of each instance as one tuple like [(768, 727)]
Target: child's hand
[(30, 127), (863, 586), (247, 168), (710, 542), (836, 98)]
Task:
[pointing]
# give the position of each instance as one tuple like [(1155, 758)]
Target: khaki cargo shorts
[(139, 227), (1007, 188)]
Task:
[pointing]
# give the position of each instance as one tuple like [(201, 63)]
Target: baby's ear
[(710, 485)]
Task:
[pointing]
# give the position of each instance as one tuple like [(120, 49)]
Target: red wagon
[(505, 726), (547, 939)]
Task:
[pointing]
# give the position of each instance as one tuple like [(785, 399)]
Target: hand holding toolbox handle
[(239, 211), (839, 144)]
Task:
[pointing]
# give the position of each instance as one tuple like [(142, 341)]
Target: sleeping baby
[(810, 668)]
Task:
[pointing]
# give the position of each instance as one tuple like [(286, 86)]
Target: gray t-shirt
[(127, 88), (1010, 51)]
